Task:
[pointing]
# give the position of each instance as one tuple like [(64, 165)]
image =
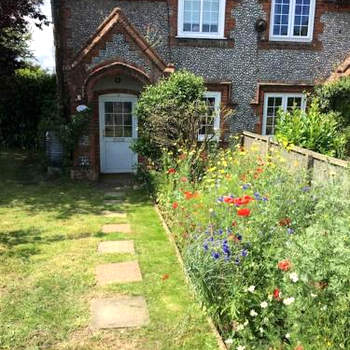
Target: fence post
[(268, 146), (310, 167)]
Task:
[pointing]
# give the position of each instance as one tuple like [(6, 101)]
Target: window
[(210, 123), (273, 102), (118, 119), (292, 20), (201, 18)]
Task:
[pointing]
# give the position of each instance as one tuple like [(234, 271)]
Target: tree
[(14, 34)]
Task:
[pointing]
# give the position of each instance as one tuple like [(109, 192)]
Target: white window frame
[(291, 18), (201, 35), (217, 96), (284, 104)]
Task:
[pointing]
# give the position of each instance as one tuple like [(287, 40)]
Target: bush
[(311, 129), (21, 107), (268, 255), (169, 115)]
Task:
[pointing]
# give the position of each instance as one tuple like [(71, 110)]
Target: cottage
[(255, 55)]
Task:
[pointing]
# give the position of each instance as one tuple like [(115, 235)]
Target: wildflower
[(287, 335), (299, 347), (237, 261), (276, 294), (245, 323), (288, 301), (264, 305), (251, 289), (229, 200), (257, 196), (191, 195), (239, 327), (284, 265), (215, 255), (246, 186), (261, 330), (242, 200), (294, 277), (184, 179), (205, 246), (306, 189), (240, 347), (175, 205), (285, 222), (234, 223), (290, 230), (265, 199), (244, 252), (243, 212), (171, 171), (229, 341), (253, 313), (165, 277), (313, 295)]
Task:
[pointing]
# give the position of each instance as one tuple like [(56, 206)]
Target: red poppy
[(259, 170), (276, 294), (285, 222), (284, 265), (190, 195), (175, 205), (243, 200), (243, 212), (165, 277), (171, 171), (229, 200), (299, 347)]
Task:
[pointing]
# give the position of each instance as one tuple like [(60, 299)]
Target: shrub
[(169, 115), (268, 255), (21, 107), (311, 129)]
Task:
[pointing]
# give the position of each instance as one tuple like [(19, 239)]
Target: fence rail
[(320, 167)]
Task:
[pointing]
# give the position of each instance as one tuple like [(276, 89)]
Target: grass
[(49, 232)]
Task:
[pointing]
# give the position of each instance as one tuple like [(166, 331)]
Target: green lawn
[(49, 232)]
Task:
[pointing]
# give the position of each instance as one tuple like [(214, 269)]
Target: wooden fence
[(319, 166)]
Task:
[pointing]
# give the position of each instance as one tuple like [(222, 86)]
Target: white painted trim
[(217, 96), (291, 18), (116, 98), (201, 35), (284, 104)]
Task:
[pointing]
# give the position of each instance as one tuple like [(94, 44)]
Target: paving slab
[(120, 247), (119, 312), (124, 272), (115, 194), (113, 228), (114, 214), (112, 201)]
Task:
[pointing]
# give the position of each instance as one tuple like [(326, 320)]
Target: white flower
[(246, 323), (270, 296), (287, 335), (261, 330), (229, 341), (82, 108), (294, 277), (251, 289), (240, 327), (240, 347), (324, 308), (313, 295), (253, 313), (264, 305), (288, 301)]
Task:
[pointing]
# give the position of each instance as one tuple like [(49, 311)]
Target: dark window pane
[(214, 28), (119, 119), (118, 131), (128, 131), (205, 28), (187, 27), (109, 119), (118, 107), (127, 119), (127, 107), (108, 107), (109, 131), (284, 30)]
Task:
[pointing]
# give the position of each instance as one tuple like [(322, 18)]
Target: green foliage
[(311, 129), (24, 102), (335, 96), (233, 260), (169, 114)]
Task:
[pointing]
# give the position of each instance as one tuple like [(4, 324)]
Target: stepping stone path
[(124, 272), (121, 247), (111, 228), (121, 311)]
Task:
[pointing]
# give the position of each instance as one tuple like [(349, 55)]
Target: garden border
[(218, 337)]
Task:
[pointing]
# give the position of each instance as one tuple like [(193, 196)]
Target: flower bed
[(267, 254)]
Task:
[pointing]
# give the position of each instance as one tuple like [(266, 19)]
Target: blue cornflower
[(211, 239), (220, 199), (205, 246), (237, 261), (246, 186), (215, 255), (244, 252), (290, 230), (257, 196), (265, 199), (220, 231), (239, 236)]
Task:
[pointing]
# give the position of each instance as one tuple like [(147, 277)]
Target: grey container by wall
[(54, 151)]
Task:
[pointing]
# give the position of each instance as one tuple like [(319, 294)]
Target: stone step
[(113, 201), (114, 214), (114, 228), (115, 195), (124, 272), (120, 247), (119, 312)]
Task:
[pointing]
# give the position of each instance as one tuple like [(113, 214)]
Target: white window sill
[(291, 39), (200, 37)]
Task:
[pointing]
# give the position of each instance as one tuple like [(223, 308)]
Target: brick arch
[(110, 69)]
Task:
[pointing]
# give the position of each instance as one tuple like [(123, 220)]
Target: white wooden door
[(118, 129)]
